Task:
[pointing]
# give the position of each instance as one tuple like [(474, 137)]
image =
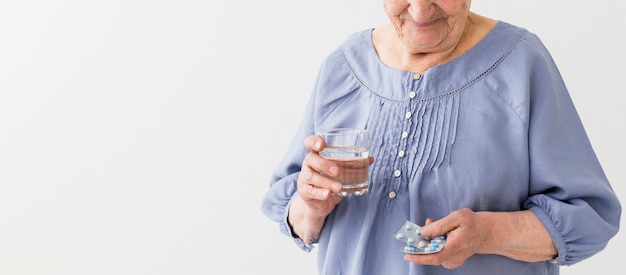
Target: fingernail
[(336, 187), (318, 144), (333, 170)]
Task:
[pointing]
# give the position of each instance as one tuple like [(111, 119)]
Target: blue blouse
[(492, 130)]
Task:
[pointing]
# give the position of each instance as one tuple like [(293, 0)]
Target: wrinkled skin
[(423, 34), (317, 190)]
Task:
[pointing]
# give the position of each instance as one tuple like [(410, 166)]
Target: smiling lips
[(425, 24)]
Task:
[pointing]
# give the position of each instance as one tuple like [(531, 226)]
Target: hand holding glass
[(349, 149)]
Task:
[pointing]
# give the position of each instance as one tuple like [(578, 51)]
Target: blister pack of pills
[(415, 243)]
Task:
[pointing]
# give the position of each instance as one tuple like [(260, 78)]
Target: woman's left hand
[(466, 234)]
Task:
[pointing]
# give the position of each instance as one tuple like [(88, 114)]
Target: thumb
[(433, 228)]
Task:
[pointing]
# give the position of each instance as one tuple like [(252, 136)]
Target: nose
[(421, 9)]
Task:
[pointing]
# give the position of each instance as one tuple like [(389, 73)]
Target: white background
[(138, 137)]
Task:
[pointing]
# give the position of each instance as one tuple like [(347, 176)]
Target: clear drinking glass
[(349, 149)]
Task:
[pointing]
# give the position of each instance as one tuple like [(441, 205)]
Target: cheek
[(452, 7), (394, 8)]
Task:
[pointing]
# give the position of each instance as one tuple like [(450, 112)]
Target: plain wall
[(138, 137)]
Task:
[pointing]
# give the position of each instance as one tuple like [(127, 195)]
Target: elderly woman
[(473, 134)]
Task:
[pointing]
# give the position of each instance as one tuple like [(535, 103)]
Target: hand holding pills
[(415, 242), (516, 235), (451, 239)]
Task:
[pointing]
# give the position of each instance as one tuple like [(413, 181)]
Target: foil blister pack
[(415, 242)]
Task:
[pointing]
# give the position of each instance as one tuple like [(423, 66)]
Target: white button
[(401, 153), (412, 94), (392, 195), (405, 134), (417, 76), (397, 173), (408, 115)]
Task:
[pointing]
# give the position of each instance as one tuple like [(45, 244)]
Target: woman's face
[(426, 26)]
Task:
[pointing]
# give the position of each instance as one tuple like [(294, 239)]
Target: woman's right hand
[(317, 185), (317, 192)]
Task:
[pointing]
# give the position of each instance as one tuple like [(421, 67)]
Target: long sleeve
[(569, 190), (283, 181)]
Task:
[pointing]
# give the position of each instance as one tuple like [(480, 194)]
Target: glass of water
[(349, 149)]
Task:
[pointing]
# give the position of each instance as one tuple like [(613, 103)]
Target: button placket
[(401, 153), (408, 115)]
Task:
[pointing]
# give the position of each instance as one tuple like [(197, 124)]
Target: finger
[(314, 143), (312, 173), (443, 258), (439, 227), (321, 165), (424, 259), (313, 185), (449, 265)]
